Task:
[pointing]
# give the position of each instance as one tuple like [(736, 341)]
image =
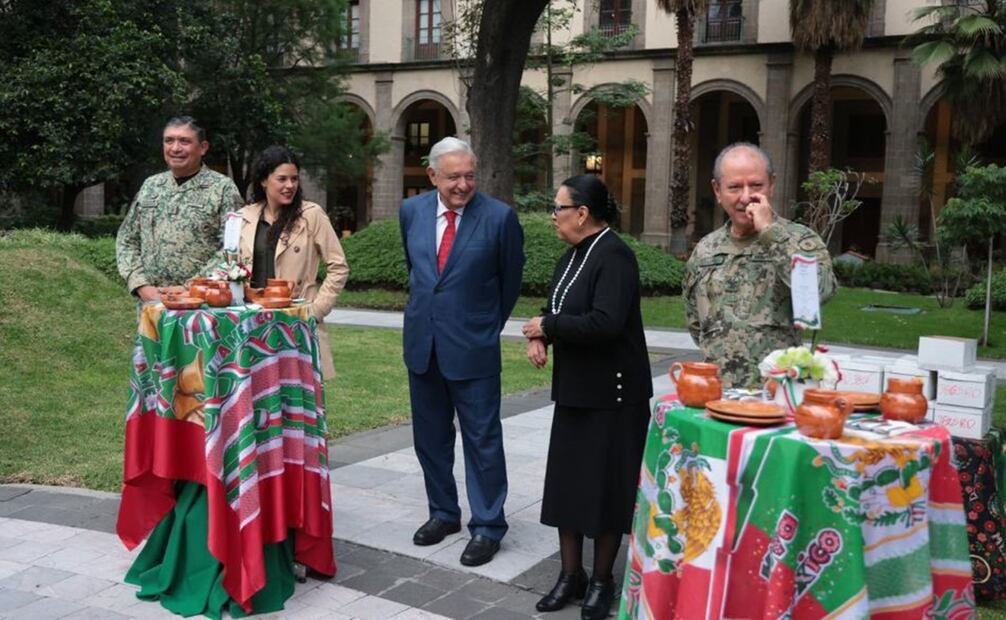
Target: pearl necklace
[(556, 309)]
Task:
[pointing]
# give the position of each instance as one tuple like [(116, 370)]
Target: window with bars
[(724, 19), (427, 29), (615, 16), (351, 33)]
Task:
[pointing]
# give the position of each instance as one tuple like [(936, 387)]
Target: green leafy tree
[(967, 41), (685, 13), (823, 28), (831, 198), (82, 87), (977, 216)]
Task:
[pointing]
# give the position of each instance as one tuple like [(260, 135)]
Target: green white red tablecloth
[(742, 522), (231, 399)]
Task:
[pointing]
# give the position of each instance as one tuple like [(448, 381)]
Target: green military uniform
[(173, 233), (737, 295)]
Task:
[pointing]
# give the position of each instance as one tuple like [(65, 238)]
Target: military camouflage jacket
[(173, 233), (737, 295)]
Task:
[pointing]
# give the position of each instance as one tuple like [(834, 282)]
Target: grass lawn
[(844, 320)]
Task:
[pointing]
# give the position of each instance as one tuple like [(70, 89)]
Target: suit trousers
[(477, 403)]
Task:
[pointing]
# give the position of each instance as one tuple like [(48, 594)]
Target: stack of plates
[(862, 401), (747, 412)]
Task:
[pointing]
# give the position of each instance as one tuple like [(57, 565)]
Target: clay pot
[(904, 401), (219, 297), (172, 291), (253, 294), (822, 414), (276, 287), (698, 382)]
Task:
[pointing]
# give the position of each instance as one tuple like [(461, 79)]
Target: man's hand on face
[(760, 211)]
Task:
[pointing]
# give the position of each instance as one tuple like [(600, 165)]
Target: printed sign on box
[(859, 376), (966, 389), (963, 421)]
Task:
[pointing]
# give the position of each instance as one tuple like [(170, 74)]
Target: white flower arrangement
[(234, 271), (800, 364)]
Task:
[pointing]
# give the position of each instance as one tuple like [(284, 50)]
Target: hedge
[(101, 226), (375, 258), (975, 297), (898, 278), (98, 252)]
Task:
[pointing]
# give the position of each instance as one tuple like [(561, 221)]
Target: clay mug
[(219, 297), (276, 287), (822, 414), (697, 382), (253, 294), (904, 401), (198, 287)]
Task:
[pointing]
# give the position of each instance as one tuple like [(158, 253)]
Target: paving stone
[(8, 493), (444, 579), (328, 596), (46, 608), (456, 605), (34, 577), (485, 590), (520, 601), (79, 587), (373, 608), (413, 593), (95, 613), (418, 614), (499, 613), (346, 570), (15, 599), (372, 582), (364, 476)]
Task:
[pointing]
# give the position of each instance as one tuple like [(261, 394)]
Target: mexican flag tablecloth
[(742, 522), (231, 399)]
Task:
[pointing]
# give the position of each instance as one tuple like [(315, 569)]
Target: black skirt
[(593, 468)]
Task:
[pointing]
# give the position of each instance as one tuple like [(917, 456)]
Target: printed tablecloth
[(231, 399), (743, 522), (981, 468)]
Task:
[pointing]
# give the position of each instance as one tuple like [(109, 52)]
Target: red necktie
[(446, 241)]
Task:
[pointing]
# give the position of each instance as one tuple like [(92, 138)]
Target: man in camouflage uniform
[(174, 228), (737, 281)]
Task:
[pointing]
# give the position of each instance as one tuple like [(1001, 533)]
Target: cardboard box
[(966, 422), (966, 389), (905, 371), (861, 376), (947, 353)]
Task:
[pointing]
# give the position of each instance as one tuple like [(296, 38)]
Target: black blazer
[(599, 349)]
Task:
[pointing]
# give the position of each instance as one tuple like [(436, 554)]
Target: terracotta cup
[(822, 414), (698, 382), (219, 297), (253, 294), (276, 287), (904, 401)]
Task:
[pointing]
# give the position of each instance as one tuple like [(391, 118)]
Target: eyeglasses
[(554, 209)]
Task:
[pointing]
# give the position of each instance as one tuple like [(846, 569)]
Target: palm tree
[(968, 42), (825, 27), (685, 12)]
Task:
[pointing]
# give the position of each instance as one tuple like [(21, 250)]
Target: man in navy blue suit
[(465, 256)]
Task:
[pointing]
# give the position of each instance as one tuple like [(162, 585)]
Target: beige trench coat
[(311, 241)]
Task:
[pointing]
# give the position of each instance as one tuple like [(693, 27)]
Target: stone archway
[(421, 120), (349, 198)]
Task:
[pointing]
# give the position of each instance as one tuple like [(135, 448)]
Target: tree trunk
[(682, 152), (504, 39), (820, 112), (988, 295), (68, 197)]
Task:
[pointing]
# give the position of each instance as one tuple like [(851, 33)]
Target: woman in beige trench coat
[(283, 236)]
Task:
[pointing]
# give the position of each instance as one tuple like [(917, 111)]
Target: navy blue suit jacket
[(462, 310)]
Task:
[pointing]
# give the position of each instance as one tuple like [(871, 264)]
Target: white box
[(861, 376), (966, 422), (931, 412), (966, 389), (947, 353), (905, 371)]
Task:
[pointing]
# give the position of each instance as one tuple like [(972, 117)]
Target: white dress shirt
[(442, 221)]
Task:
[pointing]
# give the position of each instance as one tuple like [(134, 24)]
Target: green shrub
[(375, 258), (975, 297), (99, 252), (101, 226), (882, 276)]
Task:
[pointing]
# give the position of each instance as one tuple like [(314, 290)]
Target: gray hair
[(450, 144), (757, 150), (187, 121)]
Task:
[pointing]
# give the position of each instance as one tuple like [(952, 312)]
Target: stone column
[(901, 187), (464, 130), (776, 123), (656, 223), (388, 172), (562, 124)]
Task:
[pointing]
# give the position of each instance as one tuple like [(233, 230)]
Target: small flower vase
[(238, 293), (789, 392)]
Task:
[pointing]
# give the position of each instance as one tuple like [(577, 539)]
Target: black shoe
[(480, 550), (597, 603), (568, 587), (433, 531)]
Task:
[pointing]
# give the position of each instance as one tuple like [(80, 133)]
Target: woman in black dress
[(601, 387)]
